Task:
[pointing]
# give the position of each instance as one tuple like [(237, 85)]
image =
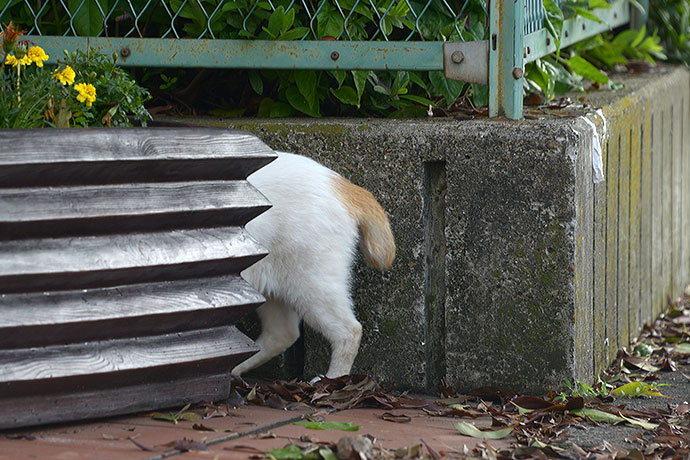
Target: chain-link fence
[(481, 41)]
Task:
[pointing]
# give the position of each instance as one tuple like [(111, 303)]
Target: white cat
[(311, 233)]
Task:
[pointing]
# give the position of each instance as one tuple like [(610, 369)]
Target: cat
[(311, 234)]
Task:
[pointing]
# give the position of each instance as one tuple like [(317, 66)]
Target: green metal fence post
[(637, 17), (506, 58)]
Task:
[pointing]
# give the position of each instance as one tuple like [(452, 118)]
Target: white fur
[(311, 240)]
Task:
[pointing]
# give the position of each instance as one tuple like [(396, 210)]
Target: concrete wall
[(513, 268)]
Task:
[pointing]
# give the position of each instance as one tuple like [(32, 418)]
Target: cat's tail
[(375, 236)]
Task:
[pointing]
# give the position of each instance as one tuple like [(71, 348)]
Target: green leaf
[(307, 81), (597, 415), (480, 95), (327, 454), (587, 14), (256, 82), (280, 110), (294, 34), (449, 89), (553, 22), (292, 452), (470, 430), (316, 425), (582, 67), (347, 95), (275, 22), (360, 78), (339, 76), (594, 4), (418, 99), (636, 389), (88, 19)]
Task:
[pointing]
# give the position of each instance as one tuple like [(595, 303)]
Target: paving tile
[(109, 437)]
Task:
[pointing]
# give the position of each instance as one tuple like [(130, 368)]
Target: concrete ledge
[(514, 268)]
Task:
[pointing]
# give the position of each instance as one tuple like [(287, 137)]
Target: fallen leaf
[(397, 418), (202, 427), (597, 415), (316, 425), (636, 389), (682, 348), (470, 430), (641, 423)]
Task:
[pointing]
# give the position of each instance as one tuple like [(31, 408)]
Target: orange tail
[(375, 236)]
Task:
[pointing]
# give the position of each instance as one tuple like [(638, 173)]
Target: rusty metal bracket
[(467, 61)]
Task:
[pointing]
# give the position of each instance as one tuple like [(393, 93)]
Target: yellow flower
[(65, 76), (87, 93), (11, 60), (26, 60), (37, 55)]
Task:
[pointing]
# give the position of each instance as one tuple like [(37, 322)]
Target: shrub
[(86, 89)]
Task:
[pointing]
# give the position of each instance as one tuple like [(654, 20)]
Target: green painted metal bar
[(639, 18), (540, 43), (254, 54), (506, 36)]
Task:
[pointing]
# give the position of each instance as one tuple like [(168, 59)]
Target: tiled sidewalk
[(248, 432)]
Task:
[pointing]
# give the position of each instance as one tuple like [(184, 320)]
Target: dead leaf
[(397, 418)]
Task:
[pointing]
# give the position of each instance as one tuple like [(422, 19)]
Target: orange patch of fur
[(376, 238)]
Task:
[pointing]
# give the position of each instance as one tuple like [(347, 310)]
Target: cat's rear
[(311, 233)]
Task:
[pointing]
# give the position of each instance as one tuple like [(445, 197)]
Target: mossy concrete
[(513, 267)]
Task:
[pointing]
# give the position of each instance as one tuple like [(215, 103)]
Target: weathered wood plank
[(82, 262), (45, 318), (97, 156), (97, 201), (25, 365), (80, 210), (81, 404)]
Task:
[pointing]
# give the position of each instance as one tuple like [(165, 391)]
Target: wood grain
[(99, 201), (82, 262), (113, 356), (112, 155), (81, 404), (93, 210), (48, 318)]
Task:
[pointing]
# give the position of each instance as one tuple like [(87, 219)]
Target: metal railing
[(489, 44)]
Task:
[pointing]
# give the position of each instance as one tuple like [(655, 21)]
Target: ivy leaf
[(582, 67)]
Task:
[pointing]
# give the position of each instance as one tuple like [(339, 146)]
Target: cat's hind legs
[(279, 330)]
